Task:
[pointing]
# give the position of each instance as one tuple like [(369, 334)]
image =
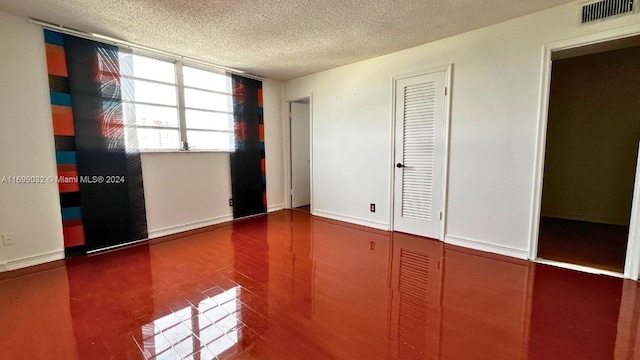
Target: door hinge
[(446, 89), (440, 215)]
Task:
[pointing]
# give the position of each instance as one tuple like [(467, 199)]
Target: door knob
[(399, 165)]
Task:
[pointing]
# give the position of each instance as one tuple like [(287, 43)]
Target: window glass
[(204, 100), (158, 139), (209, 140), (206, 80), (207, 120)]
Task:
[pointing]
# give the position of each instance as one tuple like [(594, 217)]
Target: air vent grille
[(606, 8)]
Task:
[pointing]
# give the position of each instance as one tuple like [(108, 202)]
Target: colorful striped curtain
[(248, 169), (99, 173)]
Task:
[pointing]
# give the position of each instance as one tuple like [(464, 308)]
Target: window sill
[(184, 152)]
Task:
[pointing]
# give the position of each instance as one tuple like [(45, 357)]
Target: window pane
[(206, 80), (159, 139), (197, 99), (149, 115), (207, 140), (147, 68), (154, 93), (197, 119)]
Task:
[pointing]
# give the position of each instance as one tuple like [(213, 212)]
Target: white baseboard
[(33, 260), (275, 208), (351, 219), (190, 226), (487, 247), (3, 267)]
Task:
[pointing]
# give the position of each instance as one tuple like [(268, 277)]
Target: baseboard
[(592, 219), (190, 226), (274, 208), (351, 219), (483, 246), (33, 260)]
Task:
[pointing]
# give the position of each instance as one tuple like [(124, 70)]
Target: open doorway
[(300, 140), (591, 155)]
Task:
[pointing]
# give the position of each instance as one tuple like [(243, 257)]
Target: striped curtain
[(99, 172), (248, 168)]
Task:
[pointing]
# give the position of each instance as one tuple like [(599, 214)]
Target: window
[(176, 107)]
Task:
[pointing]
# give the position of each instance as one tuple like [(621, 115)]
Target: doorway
[(591, 155), (300, 156)]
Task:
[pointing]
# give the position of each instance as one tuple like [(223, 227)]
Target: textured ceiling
[(278, 39)]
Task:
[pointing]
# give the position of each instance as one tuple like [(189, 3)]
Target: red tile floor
[(292, 286)]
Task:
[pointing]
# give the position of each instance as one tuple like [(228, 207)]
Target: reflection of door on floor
[(300, 155), (419, 145), (416, 284), (590, 159)]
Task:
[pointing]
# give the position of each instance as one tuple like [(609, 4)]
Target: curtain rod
[(145, 49)]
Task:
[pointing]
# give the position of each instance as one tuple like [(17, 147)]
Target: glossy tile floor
[(599, 246), (291, 286)]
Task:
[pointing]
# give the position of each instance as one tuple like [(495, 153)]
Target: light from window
[(208, 110), (214, 323), (151, 96)]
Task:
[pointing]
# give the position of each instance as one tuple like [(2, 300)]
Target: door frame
[(632, 262), (286, 127), (448, 69)]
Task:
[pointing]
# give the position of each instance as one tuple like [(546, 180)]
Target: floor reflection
[(416, 308), (291, 286)]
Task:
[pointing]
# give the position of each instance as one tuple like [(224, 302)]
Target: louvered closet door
[(420, 111)]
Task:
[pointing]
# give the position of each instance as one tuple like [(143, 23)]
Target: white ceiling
[(278, 39)]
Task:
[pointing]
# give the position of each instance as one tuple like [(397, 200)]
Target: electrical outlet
[(8, 239), (230, 202), (372, 207)]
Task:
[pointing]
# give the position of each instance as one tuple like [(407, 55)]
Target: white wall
[(182, 191), (494, 119), (32, 212), (274, 143), (195, 194)]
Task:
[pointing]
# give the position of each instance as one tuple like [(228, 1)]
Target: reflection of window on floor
[(214, 324)]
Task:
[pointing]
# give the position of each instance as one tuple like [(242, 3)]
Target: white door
[(419, 154), (300, 151)]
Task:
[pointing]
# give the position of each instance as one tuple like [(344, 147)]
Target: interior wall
[(274, 144), (493, 131), (186, 199), (182, 191), (30, 212), (592, 137)]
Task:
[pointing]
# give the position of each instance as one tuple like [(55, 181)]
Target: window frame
[(183, 145)]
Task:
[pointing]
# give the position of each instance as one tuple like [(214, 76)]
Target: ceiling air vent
[(606, 8)]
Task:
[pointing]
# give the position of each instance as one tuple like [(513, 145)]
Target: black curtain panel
[(248, 180), (110, 189)]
